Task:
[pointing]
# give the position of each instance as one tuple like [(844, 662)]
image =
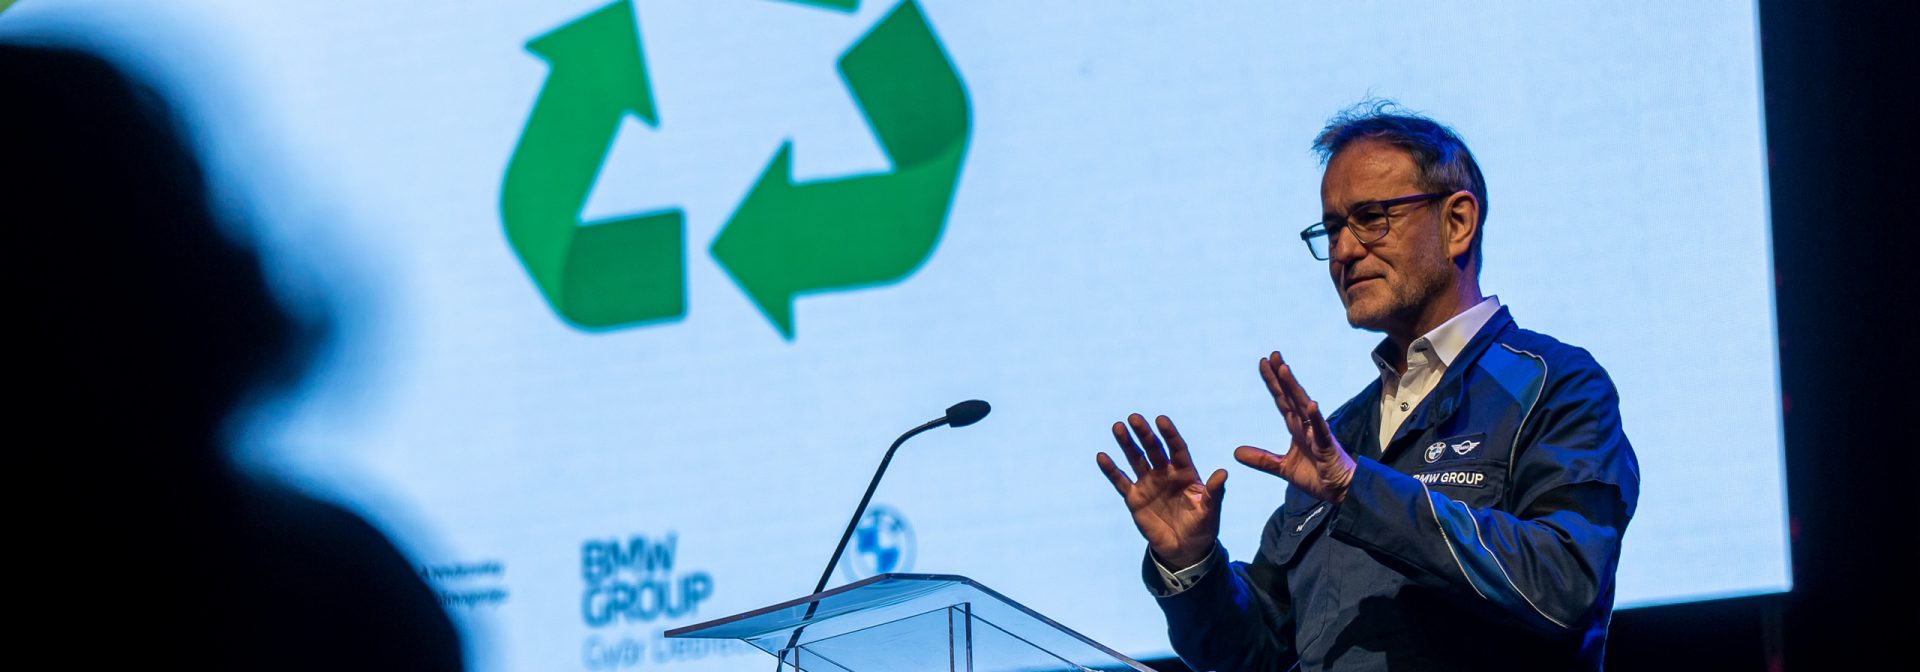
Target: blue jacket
[(1485, 537)]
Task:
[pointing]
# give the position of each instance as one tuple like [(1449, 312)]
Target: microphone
[(958, 415), (966, 412)]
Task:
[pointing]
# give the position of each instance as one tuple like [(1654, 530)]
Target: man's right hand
[(1178, 514)]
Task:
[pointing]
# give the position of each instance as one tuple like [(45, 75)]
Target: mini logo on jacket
[(1461, 447)]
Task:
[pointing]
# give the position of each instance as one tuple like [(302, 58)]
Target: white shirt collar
[(1445, 341)]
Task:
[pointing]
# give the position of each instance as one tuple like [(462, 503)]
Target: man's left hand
[(1314, 462)]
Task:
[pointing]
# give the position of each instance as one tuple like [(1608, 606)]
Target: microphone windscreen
[(967, 412)]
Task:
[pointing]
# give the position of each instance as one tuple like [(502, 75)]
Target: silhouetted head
[(140, 316), (141, 324)]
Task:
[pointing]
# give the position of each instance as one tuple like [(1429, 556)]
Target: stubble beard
[(1406, 301)]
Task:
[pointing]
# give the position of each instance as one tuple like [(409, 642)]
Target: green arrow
[(841, 5), (595, 274), (788, 239)]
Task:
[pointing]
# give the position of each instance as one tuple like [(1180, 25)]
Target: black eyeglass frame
[(1328, 228)]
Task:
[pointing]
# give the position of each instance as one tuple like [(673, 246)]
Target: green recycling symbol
[(785, 238)]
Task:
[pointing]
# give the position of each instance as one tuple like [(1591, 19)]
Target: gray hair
[(1444, 162)]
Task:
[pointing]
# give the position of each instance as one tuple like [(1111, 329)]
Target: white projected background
[(1122, 238)]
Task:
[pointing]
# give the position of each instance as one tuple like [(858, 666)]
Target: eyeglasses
[(1368, 223)]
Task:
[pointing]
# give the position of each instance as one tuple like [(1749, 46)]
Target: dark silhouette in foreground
[(139, 326)]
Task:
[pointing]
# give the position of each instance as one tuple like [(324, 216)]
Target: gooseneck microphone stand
[(959, 415)]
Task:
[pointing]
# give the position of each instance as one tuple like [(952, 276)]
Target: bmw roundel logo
[(1436, 450), (882, 543)]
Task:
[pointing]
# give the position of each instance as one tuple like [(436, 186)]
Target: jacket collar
[(1444, 343), (1445, 398), (1361, 417), (1357, 423)]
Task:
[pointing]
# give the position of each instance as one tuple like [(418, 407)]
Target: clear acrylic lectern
[(911, 623)]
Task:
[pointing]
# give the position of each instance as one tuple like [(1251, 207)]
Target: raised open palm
[(1177, 513), (1314, 461)]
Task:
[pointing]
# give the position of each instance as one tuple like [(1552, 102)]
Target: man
[(1464, 511)]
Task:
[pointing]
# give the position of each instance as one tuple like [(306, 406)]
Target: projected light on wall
[(632, 294)]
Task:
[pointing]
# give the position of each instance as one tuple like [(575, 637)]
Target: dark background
[(1844, 202)]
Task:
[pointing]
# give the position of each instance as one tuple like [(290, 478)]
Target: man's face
[(1386, 285)]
